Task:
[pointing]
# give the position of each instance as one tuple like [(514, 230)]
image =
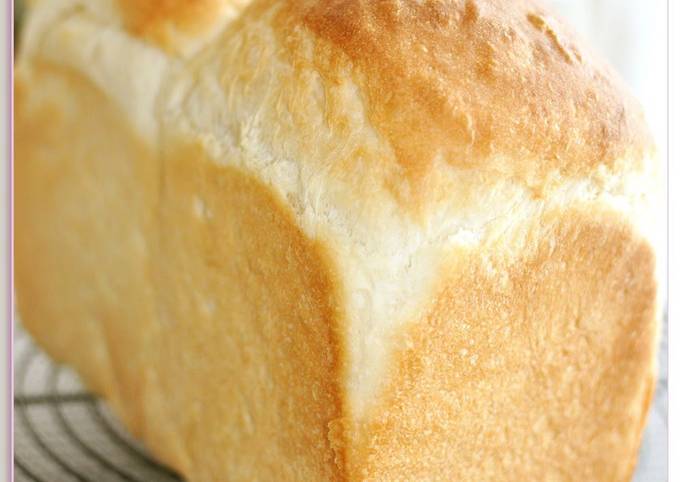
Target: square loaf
[(343, 240)]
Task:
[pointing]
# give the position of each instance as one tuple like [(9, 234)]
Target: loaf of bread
[(306, 240)]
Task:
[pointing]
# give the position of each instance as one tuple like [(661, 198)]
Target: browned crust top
[(485, 84), (495, 85)]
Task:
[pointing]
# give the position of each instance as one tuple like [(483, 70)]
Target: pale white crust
[(341, 240)]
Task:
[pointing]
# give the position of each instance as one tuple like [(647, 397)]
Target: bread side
[(535, 367), (214, 344)]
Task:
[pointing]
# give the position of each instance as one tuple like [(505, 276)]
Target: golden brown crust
[(479, 84), (537, 368), (170, 23), (258, 323), (158, 280), (153, 17)]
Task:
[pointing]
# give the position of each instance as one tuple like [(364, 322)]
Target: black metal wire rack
[(64, 433)]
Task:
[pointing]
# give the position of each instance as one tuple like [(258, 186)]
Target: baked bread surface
[(340, 240)]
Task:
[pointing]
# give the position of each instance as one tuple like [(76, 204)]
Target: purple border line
[(669, 304), (10, 341)]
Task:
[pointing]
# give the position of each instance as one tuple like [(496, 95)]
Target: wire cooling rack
[(64, 433)]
